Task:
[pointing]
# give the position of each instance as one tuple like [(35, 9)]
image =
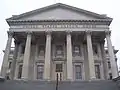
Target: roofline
[(58, 4)]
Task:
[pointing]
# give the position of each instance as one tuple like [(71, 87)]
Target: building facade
[(59, 39)]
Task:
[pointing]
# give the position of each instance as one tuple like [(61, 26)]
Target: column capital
[(88, 32), (10, 33), (108, 32), (29, 32), (68, 31), (16, 42), (48, 32), (102, 41)]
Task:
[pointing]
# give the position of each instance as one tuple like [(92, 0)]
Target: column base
[(24, 79), (92, 79), (2, 79)]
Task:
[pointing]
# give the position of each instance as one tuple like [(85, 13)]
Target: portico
[(72, 48)]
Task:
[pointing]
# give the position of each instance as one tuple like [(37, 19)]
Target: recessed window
[(10, 63), (41, 50), (20, 71), (76, 50), (110, 76), (109, 65), (59, 50), (95, 51), (23, 49)]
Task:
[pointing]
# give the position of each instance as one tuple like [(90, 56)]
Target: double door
[(59, 71)]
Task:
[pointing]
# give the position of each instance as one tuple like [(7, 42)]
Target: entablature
[(60, 25)]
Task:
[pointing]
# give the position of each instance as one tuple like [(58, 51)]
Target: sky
[(16, 7)]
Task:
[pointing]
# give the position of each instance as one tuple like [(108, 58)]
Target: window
[(23, 49), (40, 69), (59, 50), (110, 76), (109, 65), (41, 50), (78, 72), (10, 63), (20, 71), (97, 71), (58, 67), (76, 50), (95, 51)]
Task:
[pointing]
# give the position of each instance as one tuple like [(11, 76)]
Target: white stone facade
[(59, 39)]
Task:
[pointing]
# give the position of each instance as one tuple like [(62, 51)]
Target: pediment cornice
[(95, 21)]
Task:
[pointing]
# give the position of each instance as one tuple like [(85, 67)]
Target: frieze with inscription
[(58, 26)]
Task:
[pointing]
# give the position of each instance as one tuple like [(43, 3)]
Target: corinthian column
[(18, 58), (6, 54), (47, 57), (69, 57), (90, 56), (26, 59), (111, 55), (13, 66)]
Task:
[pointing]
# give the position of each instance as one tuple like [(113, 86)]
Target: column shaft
[(105, 65), (6, 55), (69, 58), (18, 58), (26, 59), (13, 66), (101, 63), (47, 57), (90, 56), (111, 55)]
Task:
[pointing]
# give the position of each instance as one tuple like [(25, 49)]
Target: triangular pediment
[(58, 12)]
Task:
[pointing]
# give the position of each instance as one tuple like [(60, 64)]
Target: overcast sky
[(16, 7)]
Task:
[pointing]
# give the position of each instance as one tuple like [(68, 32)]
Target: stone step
[(63, 85)]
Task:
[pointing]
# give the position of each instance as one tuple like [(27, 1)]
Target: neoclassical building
[(59, 39)]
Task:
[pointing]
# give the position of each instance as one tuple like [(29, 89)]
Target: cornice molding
[(93, 21), (61, 20)]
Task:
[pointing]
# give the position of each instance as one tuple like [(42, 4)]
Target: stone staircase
[(63, 85)]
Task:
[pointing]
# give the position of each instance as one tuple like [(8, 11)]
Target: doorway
[(59, 71)]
